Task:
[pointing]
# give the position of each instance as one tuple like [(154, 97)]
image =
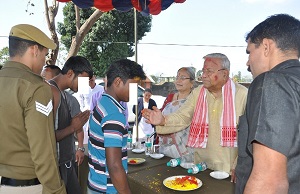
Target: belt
[(19, 183)]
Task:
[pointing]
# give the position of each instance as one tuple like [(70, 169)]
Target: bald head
[(50, 71)]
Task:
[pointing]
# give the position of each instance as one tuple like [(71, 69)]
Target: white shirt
[(85, 101)]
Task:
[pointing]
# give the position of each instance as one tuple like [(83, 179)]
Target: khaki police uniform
[(27, 141)]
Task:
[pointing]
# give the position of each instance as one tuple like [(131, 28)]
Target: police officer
[(28, 159)]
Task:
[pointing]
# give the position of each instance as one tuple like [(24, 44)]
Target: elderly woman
[(174, 145)]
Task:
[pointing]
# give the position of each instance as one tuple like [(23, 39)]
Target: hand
[(233, 177), (79, 157), (79, 120), (154, 116)]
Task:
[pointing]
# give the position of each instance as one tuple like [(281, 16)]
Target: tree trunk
[(50, 14), (82, 30)]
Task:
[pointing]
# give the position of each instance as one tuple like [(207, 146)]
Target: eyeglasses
[(182, 78), (210, 72)]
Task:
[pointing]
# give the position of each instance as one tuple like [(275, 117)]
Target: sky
[(196, 27)]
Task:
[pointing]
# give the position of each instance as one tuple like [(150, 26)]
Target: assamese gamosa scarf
[(200, 125)]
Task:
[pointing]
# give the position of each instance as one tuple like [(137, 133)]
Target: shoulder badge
[(46, 110)]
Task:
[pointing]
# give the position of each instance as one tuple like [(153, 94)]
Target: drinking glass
[(156, 149), (138, 145)]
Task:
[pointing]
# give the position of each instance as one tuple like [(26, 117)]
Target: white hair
[(225, 60)]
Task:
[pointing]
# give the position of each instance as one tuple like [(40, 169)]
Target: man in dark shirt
[(269, 139), (65, 125)]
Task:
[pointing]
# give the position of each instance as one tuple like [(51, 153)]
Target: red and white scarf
[(199, 127)]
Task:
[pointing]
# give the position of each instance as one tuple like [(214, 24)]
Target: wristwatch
[(81, 149)]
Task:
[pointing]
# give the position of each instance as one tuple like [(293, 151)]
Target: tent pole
[(136, 60), (135, 35)]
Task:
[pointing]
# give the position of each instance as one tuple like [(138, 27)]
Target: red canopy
[(146, 7)]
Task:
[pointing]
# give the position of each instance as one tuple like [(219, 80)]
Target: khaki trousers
[(35, 189)]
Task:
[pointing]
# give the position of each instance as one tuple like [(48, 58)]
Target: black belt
[(18, 183)]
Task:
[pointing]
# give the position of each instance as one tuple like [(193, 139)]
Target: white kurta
[(216, 156)]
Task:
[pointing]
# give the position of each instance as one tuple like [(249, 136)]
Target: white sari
[(174, 145)]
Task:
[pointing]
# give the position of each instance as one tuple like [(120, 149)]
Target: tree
[(4, 54), (50, 14), (82, 30), (237, 77), (110, 38), (198, 75)]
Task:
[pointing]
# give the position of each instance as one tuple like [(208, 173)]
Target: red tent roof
[(146, 7)]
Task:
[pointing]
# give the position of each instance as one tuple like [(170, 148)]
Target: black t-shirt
[(273, 119)]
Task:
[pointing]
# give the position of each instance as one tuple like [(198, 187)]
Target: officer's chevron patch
[(44, 109)]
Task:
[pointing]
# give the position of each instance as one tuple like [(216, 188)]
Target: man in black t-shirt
[(269, 139)]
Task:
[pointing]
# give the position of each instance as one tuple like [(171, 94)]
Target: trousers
[(69, 176)]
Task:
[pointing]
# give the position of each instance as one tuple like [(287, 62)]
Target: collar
[(114, 101), (14, 64), (286, 64), (17, 65)]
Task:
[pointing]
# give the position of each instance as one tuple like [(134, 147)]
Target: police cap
[(33, 34)]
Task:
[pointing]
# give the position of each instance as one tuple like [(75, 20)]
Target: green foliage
[(4, 54), (110, 38), (237, 77)]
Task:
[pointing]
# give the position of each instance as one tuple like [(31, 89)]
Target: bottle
[(174, 162), (148, 145), (197, 168), (129, 141)]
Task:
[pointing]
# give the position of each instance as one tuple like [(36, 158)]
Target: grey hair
[(224, 58), (190, 71)]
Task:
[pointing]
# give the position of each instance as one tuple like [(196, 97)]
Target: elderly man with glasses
[(212, 111)]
